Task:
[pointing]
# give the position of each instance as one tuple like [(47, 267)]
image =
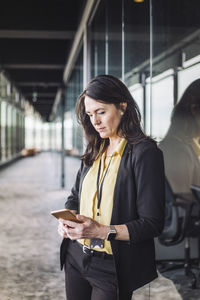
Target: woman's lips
[(100, 129)]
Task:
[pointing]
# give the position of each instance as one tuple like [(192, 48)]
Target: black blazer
[(139, 202)]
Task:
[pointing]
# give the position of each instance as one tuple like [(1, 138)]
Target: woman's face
[(104, 117)]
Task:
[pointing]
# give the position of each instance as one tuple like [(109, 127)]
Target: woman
[(120, 182), (181, 144)]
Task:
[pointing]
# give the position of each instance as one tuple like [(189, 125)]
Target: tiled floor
[(29, 243), (183, 284)]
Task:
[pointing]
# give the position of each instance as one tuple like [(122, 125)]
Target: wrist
[(104, 232)]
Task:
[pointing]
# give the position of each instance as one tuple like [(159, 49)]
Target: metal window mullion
[(151, 62), (123, 42), (106, 39)]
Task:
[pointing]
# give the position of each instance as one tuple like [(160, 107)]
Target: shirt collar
[(120, 148)]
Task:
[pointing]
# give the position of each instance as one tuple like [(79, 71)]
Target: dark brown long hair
[(109, 89), (183, 122)]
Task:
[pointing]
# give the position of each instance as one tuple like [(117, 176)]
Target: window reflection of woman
[(181, 143)]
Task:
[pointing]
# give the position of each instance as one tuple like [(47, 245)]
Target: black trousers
[(89, 277)]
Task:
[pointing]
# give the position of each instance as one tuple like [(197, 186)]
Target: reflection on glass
[(181, 144)]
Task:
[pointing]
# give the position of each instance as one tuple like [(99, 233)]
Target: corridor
[(29, 243)]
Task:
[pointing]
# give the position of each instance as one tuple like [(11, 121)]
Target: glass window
[(175, 45), (12, 121), (38, 129), (162, 105), (3, 130), (138, 94), (98, 41), (13, 130), (158, 112), (9, 131), (29, 133), (175, 33), (136, 39), (3, 86), (73, 132), (113, 37), (58, 134), (68, 131), (0, 126)]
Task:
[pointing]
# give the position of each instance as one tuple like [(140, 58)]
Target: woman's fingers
[(82, 218), (88, 228), (61, 230)]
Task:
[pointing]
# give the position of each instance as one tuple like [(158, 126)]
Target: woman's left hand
[(87, 229)]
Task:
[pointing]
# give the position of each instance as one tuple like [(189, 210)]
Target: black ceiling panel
[(33, 51), (41, 14), (35, 41)]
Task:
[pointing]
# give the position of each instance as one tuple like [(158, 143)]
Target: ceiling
[(35, 40)]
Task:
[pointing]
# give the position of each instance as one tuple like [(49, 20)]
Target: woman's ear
[(123, 106)]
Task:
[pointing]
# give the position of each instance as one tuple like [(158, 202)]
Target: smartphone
[(65, 215)]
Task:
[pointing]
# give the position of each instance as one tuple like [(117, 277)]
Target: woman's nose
[(96, 120)]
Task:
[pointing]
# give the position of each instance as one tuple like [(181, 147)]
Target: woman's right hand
[(61, 229)]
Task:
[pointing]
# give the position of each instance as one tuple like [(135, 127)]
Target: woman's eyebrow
[(87, 112)]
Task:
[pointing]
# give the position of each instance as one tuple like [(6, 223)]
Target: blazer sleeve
[(73, 199), (150, 201)]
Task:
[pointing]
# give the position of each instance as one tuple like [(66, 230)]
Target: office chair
[(196, 192), (179, 227)]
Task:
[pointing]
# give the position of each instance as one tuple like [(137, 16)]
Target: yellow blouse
[(88, 203)]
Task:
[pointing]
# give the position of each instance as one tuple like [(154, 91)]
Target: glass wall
[(114, 37), (73, 131), (3, 131), (136, 40), (9, 131), (106, 39), (37, 133), (137, 92), (21, 127), (120, 42), (11, 121), (175, 46), (153, 46), (99, 41), (158, 111)]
